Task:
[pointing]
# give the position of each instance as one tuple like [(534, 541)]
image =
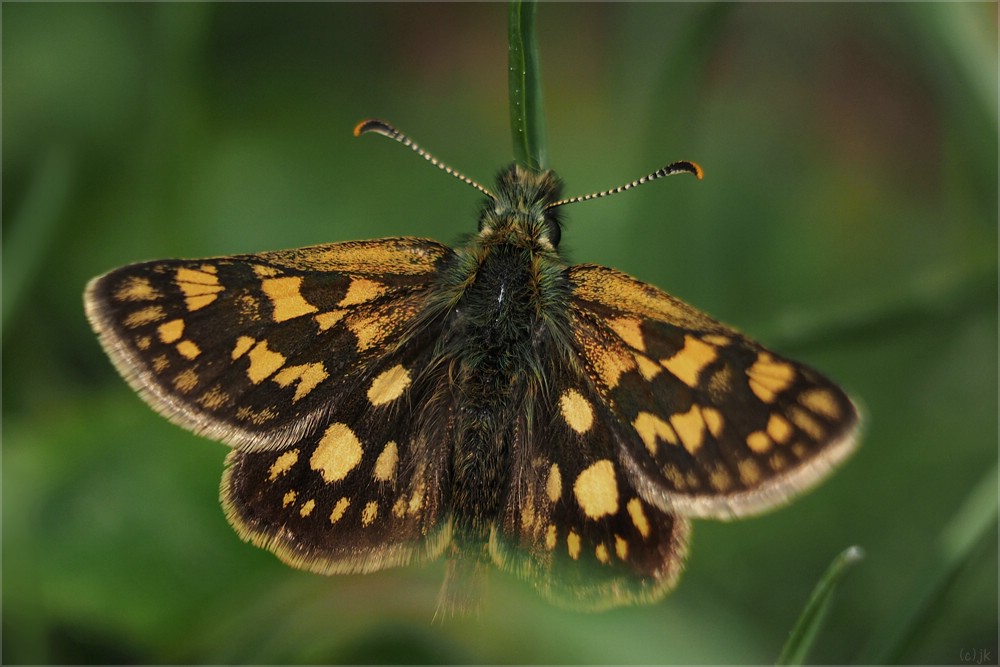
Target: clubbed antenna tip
[(682, 167)]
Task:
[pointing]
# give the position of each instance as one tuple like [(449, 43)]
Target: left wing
[(315, 366)]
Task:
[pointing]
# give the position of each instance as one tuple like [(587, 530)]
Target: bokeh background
[(848, 217)]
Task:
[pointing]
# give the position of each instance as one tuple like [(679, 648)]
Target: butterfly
[(395, 400)]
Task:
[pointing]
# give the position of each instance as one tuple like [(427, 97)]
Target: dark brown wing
[(715, 425), (575, 525), (311, 364)]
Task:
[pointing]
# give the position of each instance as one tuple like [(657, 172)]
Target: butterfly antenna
[(682, 167), (387, 130)]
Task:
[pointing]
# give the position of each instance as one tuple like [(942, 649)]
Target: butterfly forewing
[(253, 350), (714, 424)]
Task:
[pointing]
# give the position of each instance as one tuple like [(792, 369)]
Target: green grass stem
[(527, 120)]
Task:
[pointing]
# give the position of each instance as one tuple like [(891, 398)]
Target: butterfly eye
[(553, 231)]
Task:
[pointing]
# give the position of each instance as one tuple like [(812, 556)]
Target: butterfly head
[(519, 213)]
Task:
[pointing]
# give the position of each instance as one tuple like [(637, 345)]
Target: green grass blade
[(957, 544), (801, 638), (527, 121)]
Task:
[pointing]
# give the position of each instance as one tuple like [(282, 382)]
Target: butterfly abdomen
[(493, 338)]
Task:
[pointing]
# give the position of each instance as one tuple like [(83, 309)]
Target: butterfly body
[(396, 400), (509, 307)]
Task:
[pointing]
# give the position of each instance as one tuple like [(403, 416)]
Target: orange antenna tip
[(683, 167)]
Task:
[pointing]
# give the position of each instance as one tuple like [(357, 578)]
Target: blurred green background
[(848, 217)]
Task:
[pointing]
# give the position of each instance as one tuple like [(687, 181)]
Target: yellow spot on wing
[(399, 508), (200, 287), (768, 377), (416, 500), (171, 331), (596, 489), (307, 375), (361, 290), (262, 271), (638, 516), (573, 545), (720, 479), (369, 513), (389, 385), (143, 316), (188, 349), (288, 498), (553, 487), (307, 508), (160, 363), (550, 537), (328, 319), (243, 343), (257, 417), (690, 428), (779, 429), (602, 553), (758, 442), (804, 421), (136, 288), (690, 360), (576, 410), (186, 381), (674, 476), (749, 471), (185, 275), (647, 367), (621, 547), (630, 331), (716, 339), (714, 421), (385, 464), (282, 464), (821, 402), (263, 362), (338, 453), (196, 302), (651, 428), (527, 517), (286, 297), (610, 364), (369, 330), (339, 509)]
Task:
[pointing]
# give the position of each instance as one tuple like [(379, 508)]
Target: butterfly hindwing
[(575, 524), (365, 491), (714, 425)]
